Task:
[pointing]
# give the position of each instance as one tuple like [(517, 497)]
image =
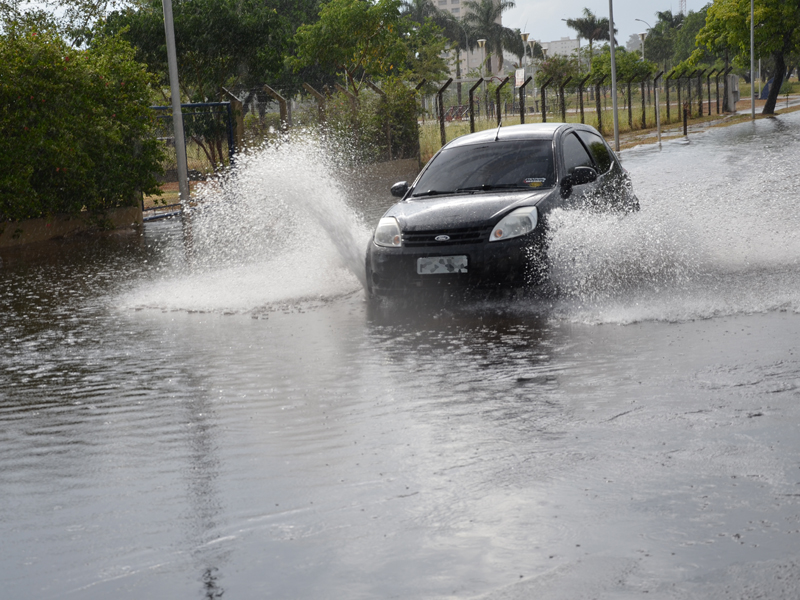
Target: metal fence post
[(441, 110), (497, 97), (544, 107), (472, 104), (708, 87), (580, 94), (666, 91), (417, 88), (563, 100), (644, 107), (658, 108), (700, 91), (598, 104), (522, 100), (320, 101), (282, 106), (630, 107)]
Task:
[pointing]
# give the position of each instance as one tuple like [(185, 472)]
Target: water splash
[(276, 228), (718, 234)]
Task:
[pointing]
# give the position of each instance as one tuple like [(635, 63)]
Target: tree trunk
[(777, 82)]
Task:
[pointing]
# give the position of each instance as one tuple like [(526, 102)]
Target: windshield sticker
[(534, 181)]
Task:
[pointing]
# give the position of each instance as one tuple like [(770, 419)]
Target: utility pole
[(613, 72), (177, 116)]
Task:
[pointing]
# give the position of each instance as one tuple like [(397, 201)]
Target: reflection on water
[(209, 409)]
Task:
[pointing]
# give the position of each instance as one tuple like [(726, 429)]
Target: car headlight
[(516, 223), (388, 233)]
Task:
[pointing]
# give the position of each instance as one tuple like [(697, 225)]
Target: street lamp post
[(642, 36), (482, 46)]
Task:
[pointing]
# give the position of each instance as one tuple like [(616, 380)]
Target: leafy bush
[(75, 125), (371, 122)]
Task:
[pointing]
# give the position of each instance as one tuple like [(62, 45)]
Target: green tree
[(660, 43), (219, 43), (629, 65), (591, 29), (559, 68), (686, 38), (777, 35), (76, 127), (359, 39)]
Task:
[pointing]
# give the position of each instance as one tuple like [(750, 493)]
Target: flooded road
[(211, 411)]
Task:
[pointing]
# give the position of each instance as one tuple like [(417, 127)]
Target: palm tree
[(483, 18), (419, 10), (590, 28)]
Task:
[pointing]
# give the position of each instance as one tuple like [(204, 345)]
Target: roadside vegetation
[(75, 124), (77, 77)]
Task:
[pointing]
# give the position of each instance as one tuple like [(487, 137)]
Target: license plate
[(441, 265)]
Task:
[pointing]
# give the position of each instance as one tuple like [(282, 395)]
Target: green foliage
[(218, 42), (364, 126), (629, 66), (660, 43), (685, 40), (360, 39), (777, 34), (728, 27), (559, 68), (76, 127), (591, 29), (424, 49)]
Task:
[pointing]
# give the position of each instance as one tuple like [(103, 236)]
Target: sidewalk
[(701, 124)]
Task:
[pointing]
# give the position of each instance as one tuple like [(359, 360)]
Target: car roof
[(529, 131)]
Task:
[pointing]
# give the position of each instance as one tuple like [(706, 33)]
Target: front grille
[(463, 235)]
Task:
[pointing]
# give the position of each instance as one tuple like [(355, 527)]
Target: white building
[(563, 47)]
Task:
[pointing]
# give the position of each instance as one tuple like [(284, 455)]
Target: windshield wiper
[(432, 193), (485, 187)]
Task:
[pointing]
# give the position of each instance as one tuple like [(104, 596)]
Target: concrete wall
[(19, 233)]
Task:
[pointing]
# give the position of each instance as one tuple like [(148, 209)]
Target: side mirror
[(399, 189), (566, 186), (583, 175)]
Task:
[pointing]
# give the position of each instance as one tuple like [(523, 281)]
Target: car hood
[(459, 211)]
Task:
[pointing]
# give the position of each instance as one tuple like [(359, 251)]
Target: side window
[(598, 149), (575, 154)]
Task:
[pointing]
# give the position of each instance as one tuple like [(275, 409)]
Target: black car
[(476, 216)]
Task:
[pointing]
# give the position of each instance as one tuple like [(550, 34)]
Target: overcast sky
[(542, 18)]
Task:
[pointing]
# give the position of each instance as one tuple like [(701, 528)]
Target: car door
[(574, 154), (611, 187)]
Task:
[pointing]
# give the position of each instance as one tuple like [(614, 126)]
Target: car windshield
[(510, 165)]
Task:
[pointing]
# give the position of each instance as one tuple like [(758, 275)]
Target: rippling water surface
[(209, 410)]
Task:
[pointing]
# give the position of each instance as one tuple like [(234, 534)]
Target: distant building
[(563, 47)]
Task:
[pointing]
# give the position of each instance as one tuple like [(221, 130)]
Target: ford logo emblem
[(442, 238)]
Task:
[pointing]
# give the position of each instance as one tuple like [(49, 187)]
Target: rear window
[(502, 164)]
